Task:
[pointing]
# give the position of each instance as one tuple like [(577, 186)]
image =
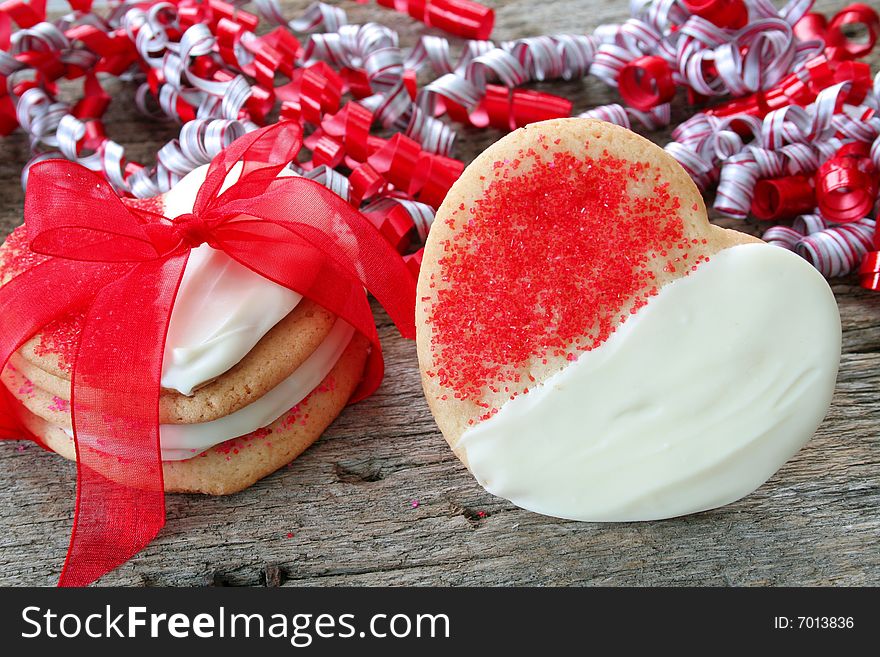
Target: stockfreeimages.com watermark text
[(300, 629)]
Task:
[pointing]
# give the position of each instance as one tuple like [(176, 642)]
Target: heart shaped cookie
[(593, 348)]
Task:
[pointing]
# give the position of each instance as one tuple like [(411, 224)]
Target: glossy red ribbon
[(869, 272), (731, 14), (463, 18), (783, 198), (123, 266), (646, 82), (846, 184)]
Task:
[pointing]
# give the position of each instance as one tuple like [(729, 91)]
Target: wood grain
[(348, 501)]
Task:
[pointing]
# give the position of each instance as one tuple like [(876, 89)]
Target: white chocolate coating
[(222, 308), (183, 441), (691, 404)]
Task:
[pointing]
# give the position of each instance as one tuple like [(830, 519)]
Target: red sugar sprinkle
[(60, 338), (26, 389), (546, 265), (59, 404), (17, 255), (153, 204)]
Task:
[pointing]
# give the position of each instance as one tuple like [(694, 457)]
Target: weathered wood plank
[(347, 502)]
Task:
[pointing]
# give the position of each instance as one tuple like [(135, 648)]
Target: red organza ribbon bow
[(123, 267)]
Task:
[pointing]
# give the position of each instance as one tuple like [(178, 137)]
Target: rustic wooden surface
[(343, 513)]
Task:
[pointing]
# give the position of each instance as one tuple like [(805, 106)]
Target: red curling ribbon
[(94, 102), (394, 224), (795, 91), (409, 81), (282, 42), (507, 109), (351, 124), (312, 91), (838, 45), (259, 104), (229, 36), (811, 27), (495, 109), (414, 261), (783, 198), (122, 265), (267, 62), (463, 18), (8, 117), (320, 91), (101, 42), (290, 111), (356, 82), (155, 79), (846, 185), (46, 63), (116, 49), (529, 106), (365, 183), (397, 160), (190, 12), (435, 174), (819, 73), (415, 8), (646, 82), (94, 137), (858, 74), (206, 67), (327, 151), (25, 15), (225, 10), (869, 271), (732, 14)]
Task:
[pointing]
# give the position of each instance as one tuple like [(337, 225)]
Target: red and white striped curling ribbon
[(838, 250), (319, 17), (783, 236), (375, 49), (835, 250), (788, 141), (654, 119)]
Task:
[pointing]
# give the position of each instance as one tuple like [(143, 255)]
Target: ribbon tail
[(120, 500), (11, 427), (30, 301)]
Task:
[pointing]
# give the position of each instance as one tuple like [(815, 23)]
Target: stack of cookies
[(252, 372)]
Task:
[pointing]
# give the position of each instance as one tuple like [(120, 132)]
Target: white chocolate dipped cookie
[(592, 348)]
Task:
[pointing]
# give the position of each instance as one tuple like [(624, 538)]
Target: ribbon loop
[(76, 215)]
